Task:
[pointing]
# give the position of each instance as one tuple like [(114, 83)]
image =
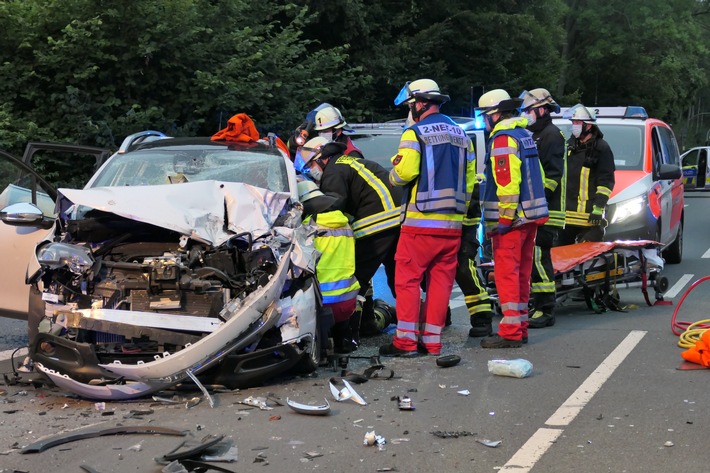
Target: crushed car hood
[(201, 210)]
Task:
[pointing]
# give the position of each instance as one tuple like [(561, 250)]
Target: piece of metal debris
[(318, 410), (192, 402), (95, 431), (464, 392), (202, 388), (259, 402), (489, 443), (405, 403), (442, 434)]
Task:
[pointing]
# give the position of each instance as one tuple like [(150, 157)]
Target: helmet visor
[(404, 95), (579, 112)]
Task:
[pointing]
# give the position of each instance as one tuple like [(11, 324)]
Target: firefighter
[(335, 269), (476, 296), (362, 192), (435, 163), (513, 206), (590, 179), (537, 107), (326, 121)]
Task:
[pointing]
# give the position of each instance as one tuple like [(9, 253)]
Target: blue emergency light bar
[(632, 111)]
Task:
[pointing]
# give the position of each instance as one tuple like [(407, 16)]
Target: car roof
[(205, 142)]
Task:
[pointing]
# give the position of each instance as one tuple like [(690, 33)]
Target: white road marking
[(677, 287), (21, 354), (525, 458), (706, 254)]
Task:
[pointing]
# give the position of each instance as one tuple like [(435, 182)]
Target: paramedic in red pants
[(435, 163), (513, 206)]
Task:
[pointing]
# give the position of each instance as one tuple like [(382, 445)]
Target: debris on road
[(518, 368)]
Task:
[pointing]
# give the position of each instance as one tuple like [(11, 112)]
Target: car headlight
[(56, 255), (628, 208)]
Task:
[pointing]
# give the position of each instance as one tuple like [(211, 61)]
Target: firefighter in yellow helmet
[(537, 107), (435, 165), (513, 206), (335, 269)]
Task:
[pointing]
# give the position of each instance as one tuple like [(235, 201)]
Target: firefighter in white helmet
[(326, 121), (435, 165), (514, 205), (363, 192), (537, 107), (590, 178)]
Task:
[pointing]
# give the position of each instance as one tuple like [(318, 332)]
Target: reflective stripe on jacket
[(336, 267), (590, 177), (363, 192), (436, 163), (514, 190)]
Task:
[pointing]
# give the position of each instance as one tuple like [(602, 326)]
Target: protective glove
[(597, 216), (503, 228)]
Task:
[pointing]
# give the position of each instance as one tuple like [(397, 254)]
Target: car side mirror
[(669, 171), (25, 214)]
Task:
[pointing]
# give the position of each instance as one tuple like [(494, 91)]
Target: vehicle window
[(191, 164), (16, 187), (668, 145), (625, 141), (691, 158), (64, 169), (378, 148)]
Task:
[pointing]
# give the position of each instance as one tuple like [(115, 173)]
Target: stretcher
[(594, 271)]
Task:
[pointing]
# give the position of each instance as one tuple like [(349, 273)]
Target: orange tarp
[(567, 257)]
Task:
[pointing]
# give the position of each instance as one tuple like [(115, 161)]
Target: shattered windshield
[(174, 165)]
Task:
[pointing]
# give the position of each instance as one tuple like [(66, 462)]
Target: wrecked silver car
[(181, 260)]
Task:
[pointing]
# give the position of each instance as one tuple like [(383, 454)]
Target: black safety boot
[(540, 319), (481, 325), (496, 341), (391, 350), (342, 337)]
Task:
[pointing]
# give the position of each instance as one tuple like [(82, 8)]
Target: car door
[(690, 168), (18, 183), (33, 179)]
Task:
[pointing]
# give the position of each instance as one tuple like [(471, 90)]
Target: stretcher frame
[(593, 272)]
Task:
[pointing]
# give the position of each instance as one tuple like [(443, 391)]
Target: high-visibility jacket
[(550, 144), (514, 190), (363, 192), (436, 163), (335, 269), (590, 177)]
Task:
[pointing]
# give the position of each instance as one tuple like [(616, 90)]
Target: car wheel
[(674, 253)]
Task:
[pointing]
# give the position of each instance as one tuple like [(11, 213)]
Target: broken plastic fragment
[(354, 395), (319, 410), (256, 402), (339, 395), (464, 392), (489, 443)]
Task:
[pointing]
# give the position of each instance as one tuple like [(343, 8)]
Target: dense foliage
[(94, 71)]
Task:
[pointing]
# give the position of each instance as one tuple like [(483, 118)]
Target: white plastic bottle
[(518, 368)]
